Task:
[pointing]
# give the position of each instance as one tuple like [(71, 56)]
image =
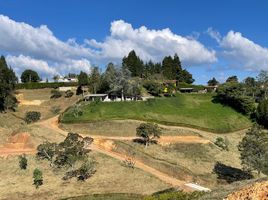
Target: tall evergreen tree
[(83, 78), (29, 76), (134, 64), (8, 80), (94, 79)]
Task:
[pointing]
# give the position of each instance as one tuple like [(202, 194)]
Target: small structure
[(95, 97), (186, 90)]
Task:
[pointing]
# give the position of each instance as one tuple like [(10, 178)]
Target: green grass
[(192, 110)]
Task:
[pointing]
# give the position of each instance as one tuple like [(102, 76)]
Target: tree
[(38, 178), (94, 79), (8, 80), (213, 82), (149, 132), (253, 150), (29, 76), (121, 82), (233, 95), (232, 79), (23, 162), (134, 64), (263, 80), (83, 78), (262, 113), (185, 76), (107, 78), (47, 151)]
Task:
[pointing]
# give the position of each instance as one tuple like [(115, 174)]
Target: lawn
[(192, 110)]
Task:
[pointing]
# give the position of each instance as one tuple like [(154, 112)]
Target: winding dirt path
[(52, 123)]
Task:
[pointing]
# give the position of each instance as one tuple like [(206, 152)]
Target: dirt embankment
[(257, 191), (17, 144)]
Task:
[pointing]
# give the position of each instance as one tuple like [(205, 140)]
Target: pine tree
[(134, 64)]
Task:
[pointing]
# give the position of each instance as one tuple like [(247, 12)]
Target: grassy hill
[(192, 110)]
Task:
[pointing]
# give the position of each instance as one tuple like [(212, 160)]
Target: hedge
[(43, 85)]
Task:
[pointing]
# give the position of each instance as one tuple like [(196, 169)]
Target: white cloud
[(241, 52), (150, 44), (21, 62), (214, 34), (38, 48)]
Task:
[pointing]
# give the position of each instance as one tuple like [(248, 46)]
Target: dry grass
[(118, 128), (111, 177)]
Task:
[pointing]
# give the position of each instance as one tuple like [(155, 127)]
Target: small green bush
[(55, 94), (38, 178), (32, 116), (222, 143), (68, 94), (23, 162)]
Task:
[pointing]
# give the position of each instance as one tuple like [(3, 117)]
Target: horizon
[(212, 39)]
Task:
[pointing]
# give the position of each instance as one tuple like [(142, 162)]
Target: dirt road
[(52, 123)]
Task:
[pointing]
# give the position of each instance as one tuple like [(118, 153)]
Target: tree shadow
[(230, 174), (142, 141)]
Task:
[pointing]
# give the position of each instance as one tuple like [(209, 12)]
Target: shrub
[(85, 171), (153, 88), (222, 143), (55, 94), (38, 178), (55, 109), (68, 94), (32, 116), (23, 162)]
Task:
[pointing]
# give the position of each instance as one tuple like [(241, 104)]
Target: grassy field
[(193, 110)]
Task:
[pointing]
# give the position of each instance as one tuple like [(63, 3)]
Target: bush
[(55, 109), (85, 171), (222, 143), (175, 195), (129, 162), (55, 94), (23, 162), (68, 94), (32, 116), (38, 178), (153, 88)]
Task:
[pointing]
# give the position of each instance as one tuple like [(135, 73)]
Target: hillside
[(192, 110)]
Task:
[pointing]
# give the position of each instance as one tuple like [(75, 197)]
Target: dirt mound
[(257, 191), (17, 144)]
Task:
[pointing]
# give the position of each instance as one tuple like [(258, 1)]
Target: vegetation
[(68, 94), (8, 80), (29, 76), (23, 162), (262, 113), (32, 116), (67, 154), (213, 82), (222, 143), (233, 94), (37, 178), (148, 132), (193, 110), (83, 78), (55, 94), (253, 150), (55, 109), (37, 85)]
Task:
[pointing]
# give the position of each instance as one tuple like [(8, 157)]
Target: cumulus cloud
[(240, 52), (38, 48), (150, 44), (21, 62)]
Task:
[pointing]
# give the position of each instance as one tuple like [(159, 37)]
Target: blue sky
[(212, 38)]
